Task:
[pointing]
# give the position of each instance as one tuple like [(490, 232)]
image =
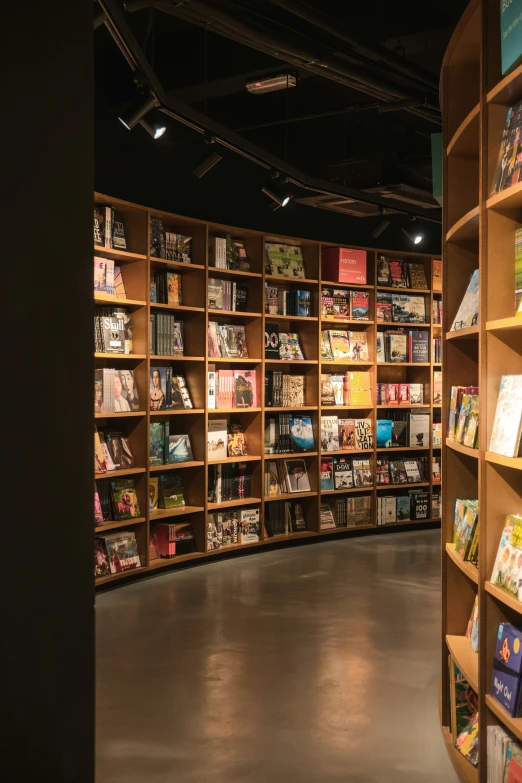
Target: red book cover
[(344, 265), (404, 393), (165, 536), (392, 394)]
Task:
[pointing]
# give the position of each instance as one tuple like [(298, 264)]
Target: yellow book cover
[(360, 389)]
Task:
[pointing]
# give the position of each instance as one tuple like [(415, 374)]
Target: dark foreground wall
[(47, 616)]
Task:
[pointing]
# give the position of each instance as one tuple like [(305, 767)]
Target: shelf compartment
[(161, 562), (466, 229), (504, 597), (212, 270), (514, 725), (465, 566), (474, 453), (507, 462), (160, 262), (465, 141), (165, 513), (176, 466), (233, 459), (233, 503), (508, 199), (508, 90), (113, 525), (465, 658), (466, 772)]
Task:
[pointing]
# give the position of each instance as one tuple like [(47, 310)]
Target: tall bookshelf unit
[(137, 267), (478, 233)]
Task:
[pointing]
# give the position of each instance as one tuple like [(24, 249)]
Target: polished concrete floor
[(311, 665)]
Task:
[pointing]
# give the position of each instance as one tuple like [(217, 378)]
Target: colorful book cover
[(158, 388), (467, 742), (472, 631), (171, 491), (236, 441), (153, 493), (249, 525), (507, 665), (358, 347), (362, 474), (360, 386), (505, 436), (343, 473), (122, 551), (384, 306), (340, 345), (329, 433), (384, 433), (507, 570), (468, 312), (327, 474), (179, 449), (398, 350), (157, 443), (419, 428), (297, 476), (217, 439), (346, 429), (360, 305), (326, 347), (363, 434), (124, 499), (101, 561), (302, 433)]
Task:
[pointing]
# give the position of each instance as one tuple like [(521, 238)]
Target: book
[(437, 275), (236, 445), (124, 499), (403, 509), (344, 265), (419, 429), (326, 474), (472, 631), (301, 433), (157, 443), (179, 449), (296, 475), (171, 491), (153, 493), (362, 474), (507, 569), (340, 345), (346, 430), (326, 521), (437, 387), (343, 473), (384, 306), (358, 342), (271, 341), (359, 305), (102, 566), (412, 471), (329, 433), (463, 699), (217, 439), (419, 347), (122, 551), (382, 471), (513, 766), (408, 309), (418, 276), (360, 389), (468, 312), (507, 423), (467, 741), (158, 388), (249, 525), (289, 346), (507, 666), (326, 348), (507, 170), (384, 433), (363, 434), (383, 272)]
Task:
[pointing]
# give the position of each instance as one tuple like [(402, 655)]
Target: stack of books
[(350, 388), (232, 389), (341, 304), (228, 253), (283, 390), (466, 529), (400, 274), (287, 301), (288, 433), (403, 508), (168, 245), (346, 434), (463, 420), (166, 335), (346, 511), (226, 295), (402, 347), (341, 346), (400, 308), (227, 341)]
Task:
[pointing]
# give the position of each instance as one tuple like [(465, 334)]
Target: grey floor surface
[(318, 664)]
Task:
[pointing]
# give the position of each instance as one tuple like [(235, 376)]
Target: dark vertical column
[(46, 526)]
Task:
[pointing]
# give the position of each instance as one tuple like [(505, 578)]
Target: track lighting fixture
[(378, 230), (138, 110), (155, 129), (276, 190), (415, 238), (207, 164)]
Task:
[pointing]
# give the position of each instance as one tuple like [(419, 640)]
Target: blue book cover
[(507, 667), (302, 433), (303, 303), (384, 433)]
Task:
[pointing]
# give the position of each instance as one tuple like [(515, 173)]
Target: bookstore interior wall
[(481, 695), (252, 389)]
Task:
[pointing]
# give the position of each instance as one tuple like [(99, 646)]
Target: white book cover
[(390, 510), (381, 357), (327, 521), (249, 525), (468, 312), (211, 388), (358, 347), (412, 471), (505, 436), (419, 430), (217, 439), (329, 433)]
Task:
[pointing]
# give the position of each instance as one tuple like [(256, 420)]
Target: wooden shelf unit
[(478, 231), (138, 268)]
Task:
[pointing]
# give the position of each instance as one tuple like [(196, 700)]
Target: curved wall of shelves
[(482, 238), (137, 266)]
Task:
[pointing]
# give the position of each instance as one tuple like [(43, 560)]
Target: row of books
[(227, 341), (463, 419), (166, 490), (109, 228), (115, 553), (400, 308), (166, 288), (168, 391), (166, 335), (345, 304), (229, 481), (108, 278), (283, 390), (168, 539), (350, 388), (226, 295), (282, 345), (232, 527), (401, 346), (342, 346), (225, 439), (346, 434), (466, 529), (284, 476), (402, 508), (115, 500), (401, 429), (437, 350), (287, 433), (287, 301), (402, 393), (284, 517), (463, 714), (346, 511), (112, 330), (284, 260), (436, 311), (400, 274), (169, 245), (228, 253), (112, 451), (166, 448), (115, 391), (401, 471), (504, 756), (339, 473), (231, 389), (435, 469), (506, 676)]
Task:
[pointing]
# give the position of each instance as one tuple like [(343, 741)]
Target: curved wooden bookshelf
[(515, 463), (465, 771), (466, 229), (462, 334), (514, 725), (504, 597), (195, 313), (465, 141), (508, 90), (465, 658), (508, 199), (505, 325), (467, 568), (473, 453)]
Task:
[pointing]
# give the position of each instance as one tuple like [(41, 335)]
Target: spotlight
[(278, 194), (156, 129), (207, 164), (415, 238), (381, 228), (138, 110)]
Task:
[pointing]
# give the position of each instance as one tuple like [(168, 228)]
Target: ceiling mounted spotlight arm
[(199, 122)]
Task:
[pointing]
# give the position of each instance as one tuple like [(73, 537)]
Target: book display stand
[(479, 233), (137, 268)]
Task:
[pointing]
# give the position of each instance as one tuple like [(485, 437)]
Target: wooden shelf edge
[(515, 463), (167, 513), (504, 597), (473, 453), (459, 334), (465, 658), (514, 725), (507, 199), (501, 93), (513, 324), (232, 503), (113, 525), (465, 566), (464, 770), (464, 125), (119, 473)]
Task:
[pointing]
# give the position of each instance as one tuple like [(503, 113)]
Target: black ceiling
[(351, 142)]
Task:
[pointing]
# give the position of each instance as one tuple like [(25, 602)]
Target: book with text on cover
[(507, 424)]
